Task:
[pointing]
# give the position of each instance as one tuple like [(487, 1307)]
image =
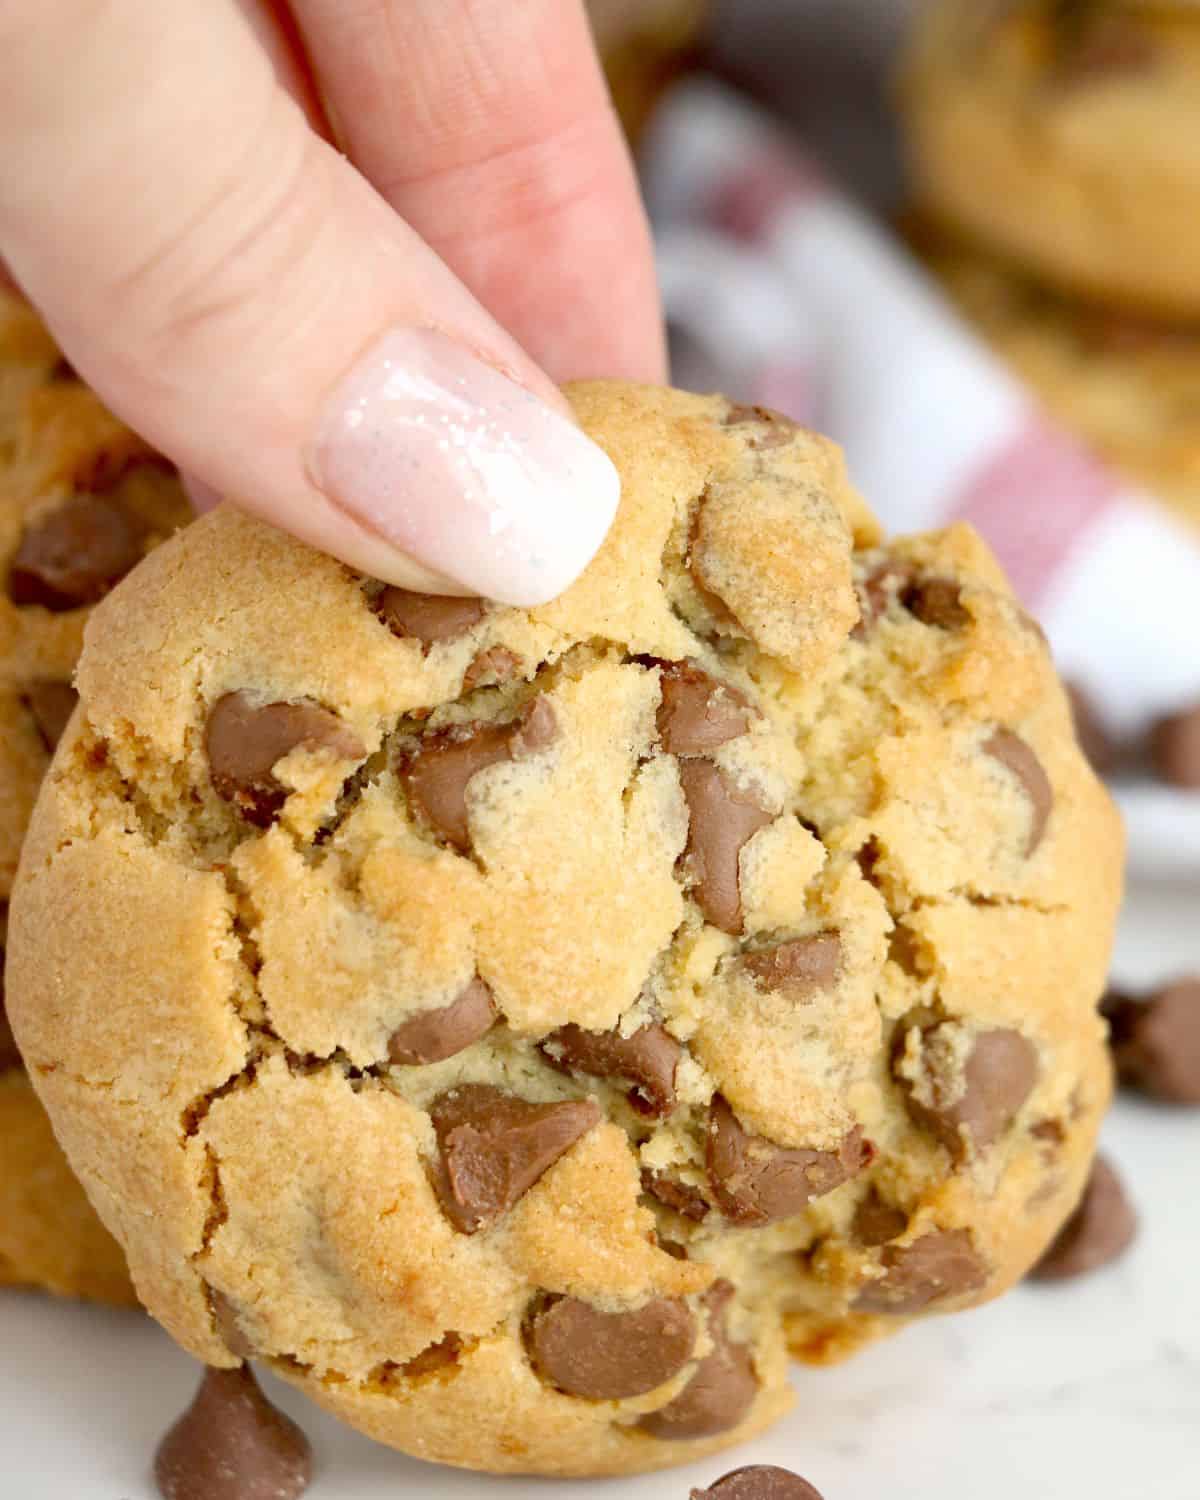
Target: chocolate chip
[(437, 773), (1175, 748), (607, 1356), (496, 664), (433, 1035), (74, 555), (228, 1325), (721, 819), (1100, 1230), (968, 1109), (936, 602), (759, 1482), (245, 742), (1015, 755), (102, 471), (756, 1182), (878, 588), (683, 1197), (493, 1147), (876, 1222), (50, 705), (1156, 1041), (939, 1265), (232, 1444), (770, 429), (721, 1391), (1094, 740), (799, 967), (647, 1059), (428, 618), (697, 712)]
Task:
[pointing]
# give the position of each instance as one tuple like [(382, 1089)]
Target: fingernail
[(462, 469)]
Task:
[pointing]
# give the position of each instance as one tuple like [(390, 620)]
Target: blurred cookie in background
[(645, 45)]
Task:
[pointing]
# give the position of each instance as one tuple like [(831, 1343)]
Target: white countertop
[(1082, 1391)]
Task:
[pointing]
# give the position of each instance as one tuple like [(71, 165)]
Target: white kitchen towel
[(781, 291)]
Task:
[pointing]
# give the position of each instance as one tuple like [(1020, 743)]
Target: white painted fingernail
[(464, 470)]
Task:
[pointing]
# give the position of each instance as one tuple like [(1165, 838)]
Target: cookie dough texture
[(81, 500), (520, 1029), (1129, 385), (1065, 136)]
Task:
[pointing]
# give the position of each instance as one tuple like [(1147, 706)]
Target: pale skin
[(220, 207)]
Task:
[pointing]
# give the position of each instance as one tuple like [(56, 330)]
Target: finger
[(489, 128), (240, 295)]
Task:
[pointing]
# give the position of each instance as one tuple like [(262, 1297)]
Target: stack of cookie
[(81, 501), (1055, 156)]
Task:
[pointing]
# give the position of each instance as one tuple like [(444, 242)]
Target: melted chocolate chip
[(74, 555), (799, 967), (722, 1390), (647, 1059), (1015, 755), (428, 618), (936, 602), (1175, 748), (878, 588), (769, 429), (608, 1356), (1100, 1230), (50, 705), (496, 664), (228, 1324), (972, 1109), (493, 1147), (697, 712), (232, 1444), (759, 1482), (245, 742), (1156, 1041), (721, 820), (876, 1222), (433, 1035), (939, 1265), (756, 1182), (438, 772), (683, 1197)]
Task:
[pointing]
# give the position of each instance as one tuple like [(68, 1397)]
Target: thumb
[(242, 297)]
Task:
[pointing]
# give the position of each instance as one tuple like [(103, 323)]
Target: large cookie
[(518, 1028), (1065, 135), (81, 501)]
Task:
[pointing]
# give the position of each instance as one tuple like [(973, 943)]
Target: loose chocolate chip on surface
[(74, 555), (493, 1147), (1156, 1041), (1094, 740), (1100, 1230), (876, 1222), (683, 1197), (936, 602), (428, 618), (647, 1059), (607, 1356), (245, 742), (799, 967), (721, 820), (756, 1182), (433, 1035), (437, 773), (971, 1110), (721, 1391), (232, 1444), (939, 1265), (697, 712), (1015, 755), (1175, 748), (759, 1482), (50, 705), (770, 429)]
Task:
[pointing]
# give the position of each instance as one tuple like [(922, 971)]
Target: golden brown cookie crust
[(919, 860), (1064, 137)]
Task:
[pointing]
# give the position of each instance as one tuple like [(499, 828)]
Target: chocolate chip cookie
[(1065, 136), (519, 1029), (81, 501)]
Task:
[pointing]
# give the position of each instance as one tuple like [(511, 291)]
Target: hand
[(361, 348)]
